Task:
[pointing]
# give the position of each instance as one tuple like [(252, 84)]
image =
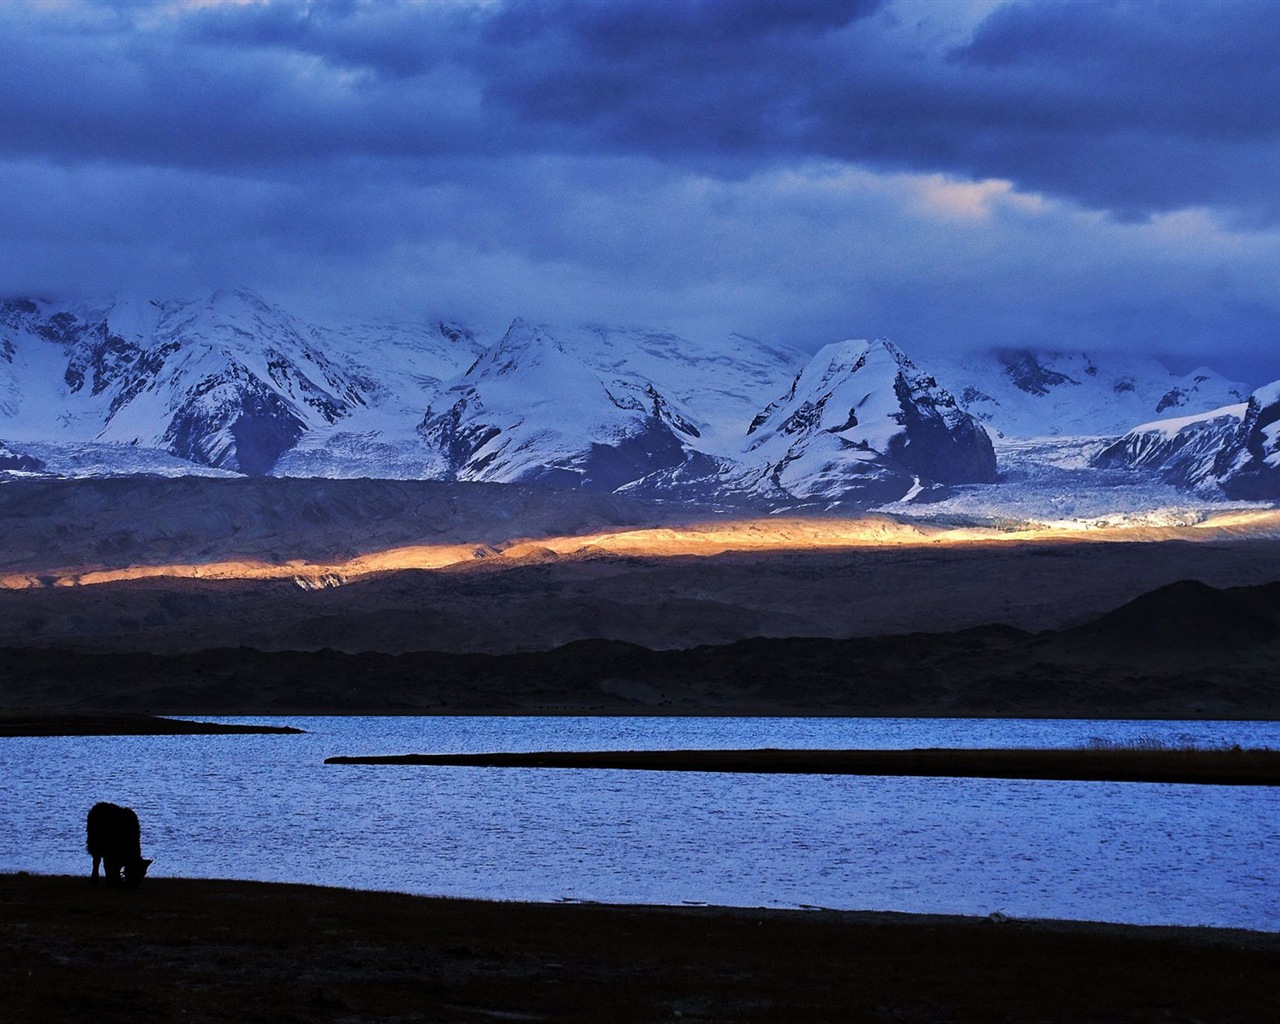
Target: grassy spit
[(1219, 766), (120, 723)]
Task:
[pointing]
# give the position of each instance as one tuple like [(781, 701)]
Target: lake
[(267, 808)]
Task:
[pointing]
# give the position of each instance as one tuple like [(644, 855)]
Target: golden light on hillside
[(707, 539)]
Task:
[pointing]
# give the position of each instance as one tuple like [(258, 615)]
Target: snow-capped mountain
[(229, 382), (406, 365), (863, 421), (1234, 451), (1182, 451), (1026, 393), (717, 386), (233, 384), (529, 412), (1248, 467)]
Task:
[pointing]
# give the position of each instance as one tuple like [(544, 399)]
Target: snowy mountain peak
[(1034, 393), (855, 389), (861, 418), (1233, 451), (529, 412), (523, 348), (133, 318), (1181, 451), (1248, 466), (1026, 372), (228, 381), (232, 300), (845, 358), (237, 318)]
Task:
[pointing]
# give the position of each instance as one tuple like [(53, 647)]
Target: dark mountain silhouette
[(1183, 650), (1189, 614)]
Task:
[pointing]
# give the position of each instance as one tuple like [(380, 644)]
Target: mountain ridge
[(233, 383)]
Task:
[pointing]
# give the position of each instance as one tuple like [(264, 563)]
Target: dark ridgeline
[(112, 837)]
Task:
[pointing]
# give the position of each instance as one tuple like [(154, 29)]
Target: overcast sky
[(950, 175)]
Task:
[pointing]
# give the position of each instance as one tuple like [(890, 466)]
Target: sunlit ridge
[(705, 539)]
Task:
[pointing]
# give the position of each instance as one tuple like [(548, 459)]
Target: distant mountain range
[(234, 384)]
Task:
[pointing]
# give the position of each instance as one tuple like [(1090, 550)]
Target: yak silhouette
[(112, 836)]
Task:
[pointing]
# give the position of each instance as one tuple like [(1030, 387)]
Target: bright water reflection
[(266, 807)]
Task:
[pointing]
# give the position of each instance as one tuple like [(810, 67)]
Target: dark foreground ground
[(208, 951)]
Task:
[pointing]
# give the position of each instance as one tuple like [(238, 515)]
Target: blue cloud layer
[(1132, 108), (802, 169)]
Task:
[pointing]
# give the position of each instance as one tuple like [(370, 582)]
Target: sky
[(951, 175)]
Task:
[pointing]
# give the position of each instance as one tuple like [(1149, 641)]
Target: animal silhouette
[(113, 837)]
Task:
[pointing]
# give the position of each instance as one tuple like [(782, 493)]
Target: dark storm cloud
[(259, 88), (1132, 108), (802, 171), (626, 28), (388, 39), (705, 79)]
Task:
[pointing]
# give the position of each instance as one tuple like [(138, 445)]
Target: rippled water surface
[(266, 807)]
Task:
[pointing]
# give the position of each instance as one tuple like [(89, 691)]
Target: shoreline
[(16, 722), (248, 950), (124, 723)]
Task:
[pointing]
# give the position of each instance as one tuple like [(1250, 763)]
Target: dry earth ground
[(213, 952)]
